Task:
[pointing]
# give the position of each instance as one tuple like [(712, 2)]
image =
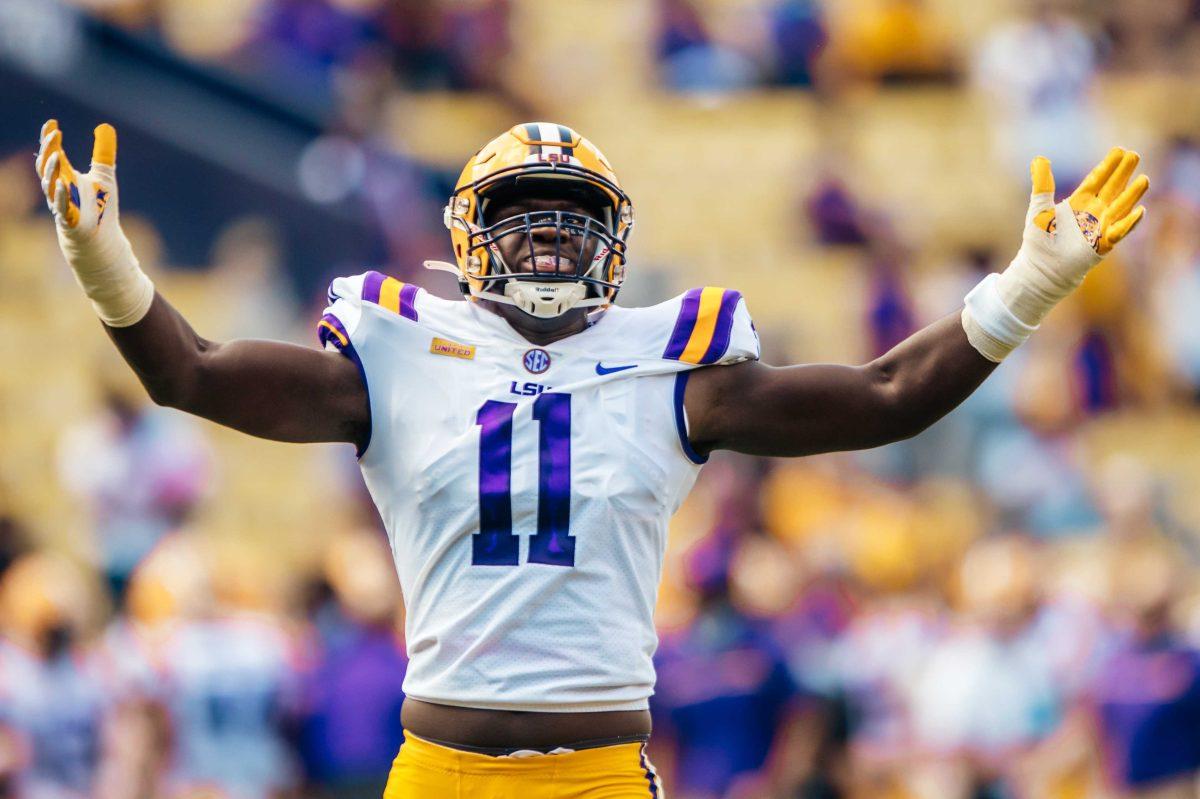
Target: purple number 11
[(495, 544)]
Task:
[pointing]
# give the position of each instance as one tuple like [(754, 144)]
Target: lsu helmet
[(539, 159)]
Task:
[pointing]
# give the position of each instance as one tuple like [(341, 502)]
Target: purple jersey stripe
[(371, 285), (681, 380), (724, 327), (408, 300), (331, 329), (684, 325)]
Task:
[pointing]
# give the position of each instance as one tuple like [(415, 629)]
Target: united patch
[(452, 349)]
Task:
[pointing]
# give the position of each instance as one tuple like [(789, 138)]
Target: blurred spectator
[(455, 46), (892, 41), (1173, 255), (1034, 472), (1037, 74), (1152, 35), (890, 315), (876, 659), (309, 37), (724, 694), (140, 470), (835, 214), (988, 691), (1146, 699), (476, 37), (226, 677), (54, 698), (797, 31), (690, 59), (351, 690), (1180, 182)]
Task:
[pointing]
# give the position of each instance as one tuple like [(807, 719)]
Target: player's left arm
[(804, 410)]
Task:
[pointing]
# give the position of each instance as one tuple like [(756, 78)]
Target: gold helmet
[(539, 159)]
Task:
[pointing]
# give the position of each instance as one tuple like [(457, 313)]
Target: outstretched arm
[(268, 389), (264, 388), (803, 410)]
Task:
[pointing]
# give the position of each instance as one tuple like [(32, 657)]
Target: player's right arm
[(267, 389)]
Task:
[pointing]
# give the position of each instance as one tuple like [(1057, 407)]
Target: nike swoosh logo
[(601, 369)]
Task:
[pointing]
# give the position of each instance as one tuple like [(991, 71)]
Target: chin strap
[(442, 266), (545, 300)]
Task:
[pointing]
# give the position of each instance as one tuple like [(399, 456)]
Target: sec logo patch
[(536, 361)]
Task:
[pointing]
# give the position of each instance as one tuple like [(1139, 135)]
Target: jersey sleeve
[(346, 323), (342, 318), (712, 326)]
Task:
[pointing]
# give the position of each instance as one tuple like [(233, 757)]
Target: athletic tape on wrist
[(987, 311)]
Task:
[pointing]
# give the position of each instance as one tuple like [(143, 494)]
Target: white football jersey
[(526, 489)]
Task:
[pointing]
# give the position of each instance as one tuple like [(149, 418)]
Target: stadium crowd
[(1005, 606)]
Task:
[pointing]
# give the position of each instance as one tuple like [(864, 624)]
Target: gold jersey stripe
[(706, 324), (389, 294)]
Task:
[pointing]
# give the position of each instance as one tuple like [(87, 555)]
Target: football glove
[(87, 219), (1060, 246)]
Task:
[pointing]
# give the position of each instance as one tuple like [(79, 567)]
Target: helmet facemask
[(588, 239)]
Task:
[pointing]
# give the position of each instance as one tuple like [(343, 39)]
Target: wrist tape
[(990, 326)]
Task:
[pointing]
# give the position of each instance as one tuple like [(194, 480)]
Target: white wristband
[(990, 326)]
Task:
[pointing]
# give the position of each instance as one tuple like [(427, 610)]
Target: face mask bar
[(564, 223)]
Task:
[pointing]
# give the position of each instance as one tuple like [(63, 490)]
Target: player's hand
[(87, 218), (79, 201), (1061, 244), (1105, 205)]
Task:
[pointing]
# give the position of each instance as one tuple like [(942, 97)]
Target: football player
[(527, 446)]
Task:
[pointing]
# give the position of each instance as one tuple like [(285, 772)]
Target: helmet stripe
[(531, 130), (564, 133), (548, 133)]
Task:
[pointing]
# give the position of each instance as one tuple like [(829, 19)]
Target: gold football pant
[(425, 770)]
